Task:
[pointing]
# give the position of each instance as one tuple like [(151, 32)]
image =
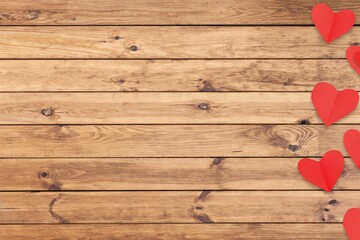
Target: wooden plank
[(174, 231), (161, 174), (182, 75), (82, 12), (176, 207), (170, 140), (160, 108), (170, 42)]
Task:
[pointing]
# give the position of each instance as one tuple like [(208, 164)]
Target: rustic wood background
[(176, 119)]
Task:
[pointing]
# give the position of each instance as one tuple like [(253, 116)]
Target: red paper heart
[(352, 223), (353, 57), (324, 173), (332, 105), (352, 145), (332, 25)]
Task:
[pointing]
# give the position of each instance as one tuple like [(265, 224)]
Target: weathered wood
[(161, 174), (82, 12), (181, 75), (174, 231), (170, 42), (160, 108), (170, 140), (176, 207)]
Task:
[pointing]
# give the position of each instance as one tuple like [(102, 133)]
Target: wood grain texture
[(170, 42), (82, 12), (171, 140), (174, 231), (161, 108), (176, 207), (161, 174), (178, 76)]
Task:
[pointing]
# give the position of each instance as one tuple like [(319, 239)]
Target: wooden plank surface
[(178, 76), (170, 140), (161, 174), (83, 12), (174, 231), (161, 108), (176, 207), (170, 42)]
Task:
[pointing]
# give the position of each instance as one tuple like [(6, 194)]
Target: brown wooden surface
[(174, 76), (176, 207), (171, 140), (161, 174), (170, 42), (168, 120), (109, 12), (174, 231), (160, 108)]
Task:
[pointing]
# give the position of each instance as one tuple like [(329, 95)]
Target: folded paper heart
[(352, 145), (332, 25), (332, 105), (353, 57), (324, 173), (352, 223)]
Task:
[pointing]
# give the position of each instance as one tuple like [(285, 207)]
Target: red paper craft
[(324, 173), (332, 25), (352, 223), (332, 105), (353, 57), (352, 145)]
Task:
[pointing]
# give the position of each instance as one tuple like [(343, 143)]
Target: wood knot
[(218, 160), (204, 106), (304, 122), (203, 196), (203, 218), (43, 174), (343, 173), (133, 48), (54, 187), (333, 202), (293, 148), (207, 86), (32, 14), (47, 112), (117, 37)]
